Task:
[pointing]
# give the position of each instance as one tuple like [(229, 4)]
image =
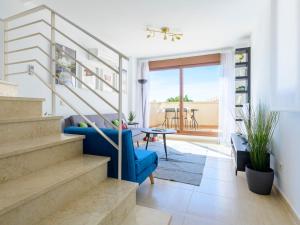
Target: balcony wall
[(207, 114)]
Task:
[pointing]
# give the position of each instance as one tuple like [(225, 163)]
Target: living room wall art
[(66, 64)]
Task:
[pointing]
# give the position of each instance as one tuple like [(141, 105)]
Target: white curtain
[(143, 104), (227, 97)]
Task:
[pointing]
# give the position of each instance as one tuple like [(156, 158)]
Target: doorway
[(186, 99)]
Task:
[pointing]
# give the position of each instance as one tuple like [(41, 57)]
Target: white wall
[(9, 7), (286, 141), (132, 81)]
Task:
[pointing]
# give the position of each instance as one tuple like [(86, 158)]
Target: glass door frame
[(181, 129)]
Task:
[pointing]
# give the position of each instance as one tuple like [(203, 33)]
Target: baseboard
[(293, 214)]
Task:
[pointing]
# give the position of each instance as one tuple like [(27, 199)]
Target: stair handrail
[(53, 60), (42, 7)]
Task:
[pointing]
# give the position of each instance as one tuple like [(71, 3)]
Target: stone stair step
[(147, 216), (107, 204), (26, 156), (28, 199), (8, 88), (19, 107), (16, 129)]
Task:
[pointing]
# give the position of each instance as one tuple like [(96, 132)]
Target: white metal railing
[(50, 69)]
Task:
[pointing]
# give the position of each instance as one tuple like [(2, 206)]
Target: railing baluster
[(52, 63), (120, 118), (5, 57)]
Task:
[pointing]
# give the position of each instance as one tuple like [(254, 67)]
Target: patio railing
[(197, 115)]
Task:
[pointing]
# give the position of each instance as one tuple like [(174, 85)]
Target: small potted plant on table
[(131, 117), (259, 127)]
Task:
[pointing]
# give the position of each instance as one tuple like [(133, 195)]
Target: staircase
[(46, 180), (44, 177)]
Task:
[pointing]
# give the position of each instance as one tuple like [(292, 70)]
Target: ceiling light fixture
[(165, 31)]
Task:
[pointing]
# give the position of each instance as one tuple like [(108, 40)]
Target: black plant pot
[(259, 182)]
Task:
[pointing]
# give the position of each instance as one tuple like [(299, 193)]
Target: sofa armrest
[(95, 144)]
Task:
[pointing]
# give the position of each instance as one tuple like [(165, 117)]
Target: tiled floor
[(221, 199)]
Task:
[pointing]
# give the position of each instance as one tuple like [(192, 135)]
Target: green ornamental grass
[(259, 126)]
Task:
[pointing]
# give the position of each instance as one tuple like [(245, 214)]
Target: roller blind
[(203, 60)]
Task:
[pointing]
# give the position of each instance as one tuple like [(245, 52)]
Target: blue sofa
[(138, 164)]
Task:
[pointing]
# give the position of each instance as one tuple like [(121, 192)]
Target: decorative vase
[(259, 182)]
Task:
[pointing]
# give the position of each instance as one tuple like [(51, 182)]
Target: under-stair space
[(46, 180)]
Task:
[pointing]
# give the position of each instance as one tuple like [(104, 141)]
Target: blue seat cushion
[(144, 159)]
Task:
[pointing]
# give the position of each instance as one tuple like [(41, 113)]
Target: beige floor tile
[(219, 174), (218, 187), (212, 207), (194, 220), (224, 164), (177, 217), (172, 184), (236, 188), (165, 196)]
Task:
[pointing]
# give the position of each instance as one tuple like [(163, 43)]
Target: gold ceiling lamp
[(165, 32)]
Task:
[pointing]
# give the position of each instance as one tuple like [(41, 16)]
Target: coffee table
[(163, 132)]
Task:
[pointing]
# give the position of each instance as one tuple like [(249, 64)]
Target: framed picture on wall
[(66, 65), (109, 78), (89, 78)]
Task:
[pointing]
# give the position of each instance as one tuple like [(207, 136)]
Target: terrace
[(200, 117)]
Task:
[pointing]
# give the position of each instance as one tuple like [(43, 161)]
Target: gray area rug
[(180, 167)]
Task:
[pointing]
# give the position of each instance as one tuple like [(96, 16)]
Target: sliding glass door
[(185, 99), (200, 100), (164, 99)]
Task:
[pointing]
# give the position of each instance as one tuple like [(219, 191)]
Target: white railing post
[(5, 49), (52, 63), (120, 118)]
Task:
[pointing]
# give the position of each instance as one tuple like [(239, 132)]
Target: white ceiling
[(206, 24)]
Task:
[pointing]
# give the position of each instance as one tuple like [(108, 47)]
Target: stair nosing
[(51, 186), (41, 147), (25, 99), (30, 119)]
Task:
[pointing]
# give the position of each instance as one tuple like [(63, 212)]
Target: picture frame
[(65, 66)]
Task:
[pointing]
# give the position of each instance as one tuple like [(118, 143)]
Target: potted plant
[(131, 117), (259, 127)]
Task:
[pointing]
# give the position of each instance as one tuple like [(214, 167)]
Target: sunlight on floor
[(198, 148), (221, 199)]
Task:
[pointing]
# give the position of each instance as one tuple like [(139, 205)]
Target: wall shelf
[(242, 78), (242, 64), (242, 81), (241, 92)]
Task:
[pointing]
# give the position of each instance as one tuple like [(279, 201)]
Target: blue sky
[(200, 83)]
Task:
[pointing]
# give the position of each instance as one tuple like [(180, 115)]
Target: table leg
[(165, 145), (148, 137)]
